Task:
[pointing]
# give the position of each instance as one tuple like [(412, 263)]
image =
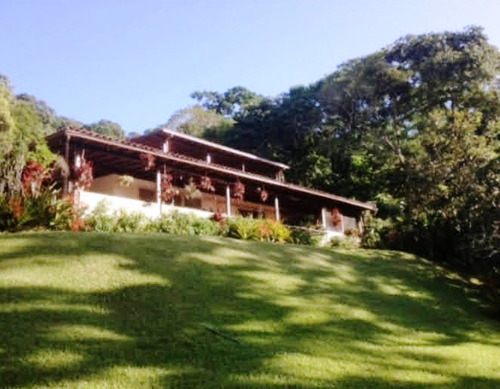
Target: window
[(147, 195)]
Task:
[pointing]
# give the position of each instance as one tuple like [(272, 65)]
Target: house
[(165, 170)]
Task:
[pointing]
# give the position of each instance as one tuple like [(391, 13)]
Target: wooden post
[(66, 158), (166, 146), (277, 208), (323, 217), (158, 190), (228, 201), (361, 223)]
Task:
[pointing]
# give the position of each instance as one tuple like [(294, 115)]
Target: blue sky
[(136, 62)]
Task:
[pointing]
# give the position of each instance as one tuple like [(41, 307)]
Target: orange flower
[(16, 206)]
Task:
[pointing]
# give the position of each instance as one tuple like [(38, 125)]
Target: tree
[(200, 122), (22, 139), (231, 103), (6, 120), (413, 126), (106, 127), (453, 194), (373, 103)]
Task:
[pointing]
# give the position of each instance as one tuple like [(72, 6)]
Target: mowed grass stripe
[(157, 311)]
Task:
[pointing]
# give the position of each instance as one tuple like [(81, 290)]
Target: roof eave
[(224, 148), (137, 147)]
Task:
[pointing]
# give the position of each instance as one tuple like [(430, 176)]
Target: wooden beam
[(66, 158)]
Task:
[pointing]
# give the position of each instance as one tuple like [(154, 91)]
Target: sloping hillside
[(130, 311)]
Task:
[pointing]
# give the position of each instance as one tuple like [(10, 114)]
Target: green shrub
[(346, 242), (301, 236), (374, 232), (43, 211), (184, 224), (100, 219), (39, 211), (243, 228), (257, 229), (7, 218), (204, 226), (130, 222), (68, 216), (354, 232), (174, 223), (279, 232)]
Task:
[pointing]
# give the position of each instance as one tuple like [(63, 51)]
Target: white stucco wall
[(89, 200), (128, 198), (110, 185)]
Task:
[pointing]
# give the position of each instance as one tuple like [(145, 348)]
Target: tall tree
[(371, 130), (199, 122), (22, 138), (231, 103), (106, 127)]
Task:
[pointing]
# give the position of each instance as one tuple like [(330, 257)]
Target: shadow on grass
[(163, 311)]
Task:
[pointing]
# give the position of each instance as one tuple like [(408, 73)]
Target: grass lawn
[(156, 311)]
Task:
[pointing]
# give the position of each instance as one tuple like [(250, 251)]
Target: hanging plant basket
[(239, 190), (125, 180), (263, 194), (84, 174), (206, 185), (336, 217), (149, 161), (191, 191), (167, 188)]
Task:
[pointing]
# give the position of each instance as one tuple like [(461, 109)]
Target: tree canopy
[(108, 128), (414, 127)]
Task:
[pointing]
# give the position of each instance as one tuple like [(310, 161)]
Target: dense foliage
[(28, 196), (414, 127)]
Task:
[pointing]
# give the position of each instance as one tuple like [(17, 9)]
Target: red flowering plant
[(16, 206), (84, 173), (336, 217), (239, 190), (264, 231), (69, 215), (32, 178), (206, 184), (149, 161), (219, 217), (264, 194), (167, 188), (191, 190)]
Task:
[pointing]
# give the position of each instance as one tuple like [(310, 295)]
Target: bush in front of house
[(346, 242), (45, 211), (101, 219), (257, 229), (48, 211), (303, 236), (244, 228), (184, 224)]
